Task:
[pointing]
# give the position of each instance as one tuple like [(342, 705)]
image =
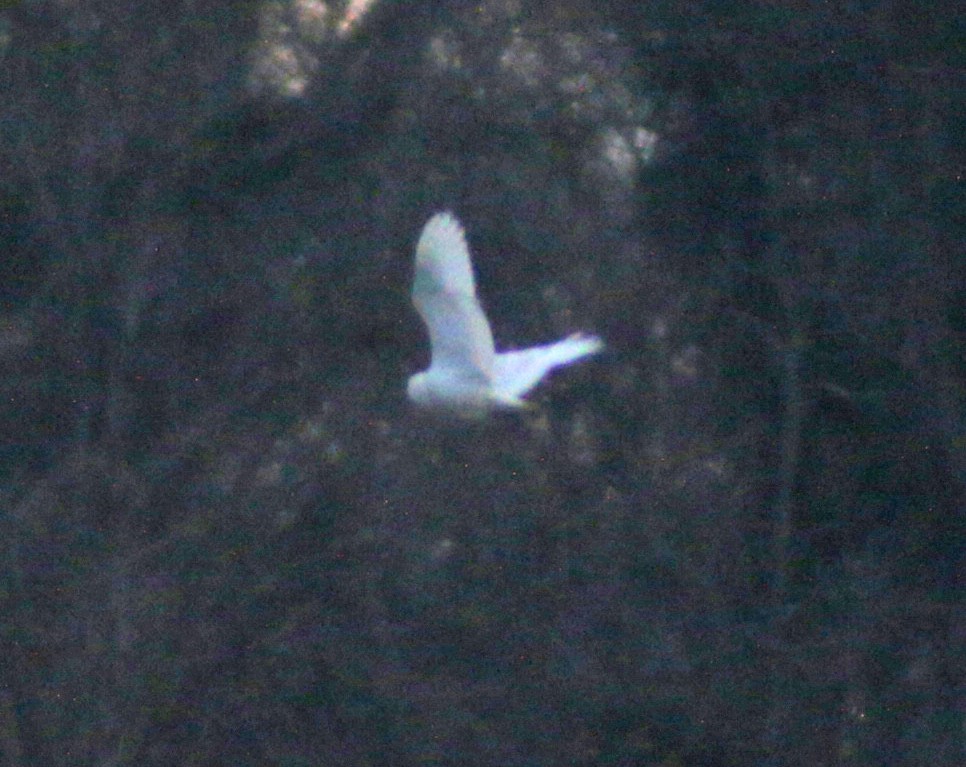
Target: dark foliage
[(734, 539)]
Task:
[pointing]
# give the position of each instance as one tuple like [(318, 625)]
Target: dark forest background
[(735, 538)]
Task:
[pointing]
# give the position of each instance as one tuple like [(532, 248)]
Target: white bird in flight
[(466, 374)]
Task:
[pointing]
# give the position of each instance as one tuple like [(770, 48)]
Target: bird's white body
[(466, 373)]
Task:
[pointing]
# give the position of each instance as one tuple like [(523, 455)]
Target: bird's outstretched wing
[(444, 294), (515, 373)]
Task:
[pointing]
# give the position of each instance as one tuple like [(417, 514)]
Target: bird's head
[(417, 390)]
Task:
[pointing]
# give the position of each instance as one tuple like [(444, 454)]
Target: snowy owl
[(466, 374)]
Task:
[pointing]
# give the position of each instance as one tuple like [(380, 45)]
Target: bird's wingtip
[(592, 342), (443, 218)]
